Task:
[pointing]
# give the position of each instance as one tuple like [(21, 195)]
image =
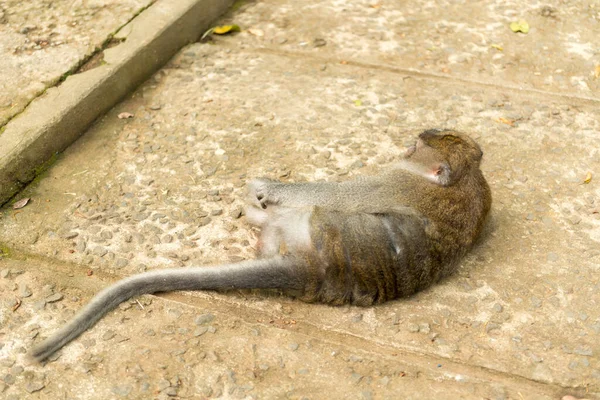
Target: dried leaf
[(256, 32), (125, 115), (357, 103), (521, 26), (223, 29), (21, 203), (588, 178), (497, 47), (506, 121), (597, 71)]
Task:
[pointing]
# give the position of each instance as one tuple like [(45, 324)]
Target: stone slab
[(58, 117)]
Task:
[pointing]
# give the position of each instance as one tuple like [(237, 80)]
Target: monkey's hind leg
[(260, 194)]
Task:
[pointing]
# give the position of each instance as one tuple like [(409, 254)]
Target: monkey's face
[(446, 155)]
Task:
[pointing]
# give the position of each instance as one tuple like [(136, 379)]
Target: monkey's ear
[(440, 174), (439, 169)]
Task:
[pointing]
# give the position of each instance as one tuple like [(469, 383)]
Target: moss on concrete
[(5, 251)]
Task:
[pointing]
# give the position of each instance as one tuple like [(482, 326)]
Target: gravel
[(34, 386), (204, 319), (54, 298), (122, 390)]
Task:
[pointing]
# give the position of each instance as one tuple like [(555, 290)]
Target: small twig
[(81, 172), (14, 308), (80, 215)]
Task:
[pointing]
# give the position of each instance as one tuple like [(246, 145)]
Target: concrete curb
[(57, 118)]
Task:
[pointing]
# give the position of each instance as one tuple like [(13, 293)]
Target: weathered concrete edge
[(57, 118)]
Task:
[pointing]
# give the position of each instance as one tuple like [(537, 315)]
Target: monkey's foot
[(261, 193)]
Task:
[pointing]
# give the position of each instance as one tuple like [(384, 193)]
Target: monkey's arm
[(354, 195)]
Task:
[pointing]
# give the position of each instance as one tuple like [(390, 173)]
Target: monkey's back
[(364, 258)]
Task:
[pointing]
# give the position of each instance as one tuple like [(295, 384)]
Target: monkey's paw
[(261, 193)]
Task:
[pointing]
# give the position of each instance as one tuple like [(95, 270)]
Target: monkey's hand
[(261, 193)]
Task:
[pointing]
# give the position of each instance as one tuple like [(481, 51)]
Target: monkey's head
[(447, 155)]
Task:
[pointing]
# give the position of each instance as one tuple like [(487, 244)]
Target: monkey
[(363, 241)]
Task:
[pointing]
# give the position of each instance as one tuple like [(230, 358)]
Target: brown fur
[(410, 233), (363, 242)]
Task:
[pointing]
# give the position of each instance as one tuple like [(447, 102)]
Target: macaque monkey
[(363, 242)]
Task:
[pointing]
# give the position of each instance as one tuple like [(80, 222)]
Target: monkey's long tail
[(269, 273)]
